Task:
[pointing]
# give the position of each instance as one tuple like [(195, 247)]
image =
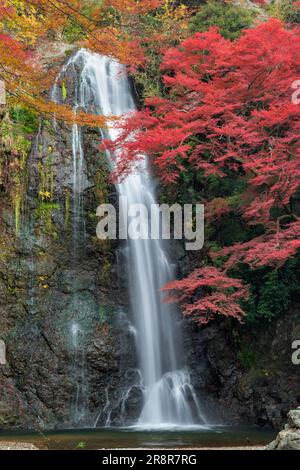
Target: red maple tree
[(207, 292), (228, 109)]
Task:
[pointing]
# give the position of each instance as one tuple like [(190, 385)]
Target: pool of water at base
[(131, 438)]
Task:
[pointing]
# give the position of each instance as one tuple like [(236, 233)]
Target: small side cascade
[(79, 411)]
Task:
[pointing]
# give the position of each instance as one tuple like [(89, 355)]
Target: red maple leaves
[(208, 292), (229, 108)]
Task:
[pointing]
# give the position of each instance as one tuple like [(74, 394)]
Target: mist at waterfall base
[(169, 397)]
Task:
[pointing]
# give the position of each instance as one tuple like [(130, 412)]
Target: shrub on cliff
[(230, 19)]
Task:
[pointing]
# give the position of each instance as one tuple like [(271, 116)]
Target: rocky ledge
[(289, 438), (17, 446)]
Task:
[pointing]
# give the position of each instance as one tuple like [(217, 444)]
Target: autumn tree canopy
[(116, 27), (217, 109), (228, 112)]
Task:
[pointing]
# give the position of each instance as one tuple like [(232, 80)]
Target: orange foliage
[(112, 27), (134, 7)]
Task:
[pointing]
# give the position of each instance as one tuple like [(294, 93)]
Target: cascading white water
[(169, 396), (78, 183)]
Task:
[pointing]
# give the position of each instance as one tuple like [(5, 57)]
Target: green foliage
[(67, 208), (64, 91), (25, 120), (46, 178), (106, 272), (275, 296), (14, 150), (102, 314), (101, 185), (44, 208), (73, 32), (230, 19), (285, 10), (247, 357), (272, 292), (231, 229), (168, 22), (12, 140), (107, 314), (44, 213), (149, 79), (81, 445), (17, 208)]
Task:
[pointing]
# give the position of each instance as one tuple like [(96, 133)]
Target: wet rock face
[(61, 305), (17, 446), (242, 374), (245, 375), (294, 418), (289, 438), (70, 350)]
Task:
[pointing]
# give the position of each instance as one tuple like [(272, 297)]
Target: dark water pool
[(131, 438)]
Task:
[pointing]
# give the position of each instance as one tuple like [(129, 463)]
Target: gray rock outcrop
[(289, 438)]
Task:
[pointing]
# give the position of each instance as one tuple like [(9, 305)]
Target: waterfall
[(169, 398), (79, 406)]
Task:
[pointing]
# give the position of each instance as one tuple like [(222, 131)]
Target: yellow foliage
[(112, 27), (23, 20), (45, 195), (42, 282), (174, 18)]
